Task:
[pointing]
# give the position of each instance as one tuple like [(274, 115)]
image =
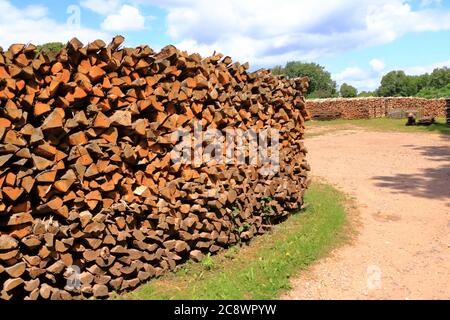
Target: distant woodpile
[(90, 201), (372, 107), (448, 112)]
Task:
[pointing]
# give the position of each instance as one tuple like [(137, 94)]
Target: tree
[(367, 94), (434, 85), (439, 78), (397, 84), (420, 82), (348, 91), (320, 83), (50, 47), (277, 71), (431, 93)]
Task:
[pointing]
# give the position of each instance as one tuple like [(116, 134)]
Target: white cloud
[(417, 70), (128, 18), (33, 24), (363, 80), (350, 73), (266, 32), (369, 84), (35, 11), (377, 65), (120, 14), (367, 79)]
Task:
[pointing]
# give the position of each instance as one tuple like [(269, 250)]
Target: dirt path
[(401, 182)]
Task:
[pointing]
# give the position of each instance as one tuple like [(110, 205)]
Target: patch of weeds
[(207, 262), (235, 213), (231, 252)]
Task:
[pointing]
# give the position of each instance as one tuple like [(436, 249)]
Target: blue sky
[(357, 41)]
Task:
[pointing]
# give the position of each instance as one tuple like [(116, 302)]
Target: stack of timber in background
[(90, 201), (448, 112), (340, 108), (373, 107)]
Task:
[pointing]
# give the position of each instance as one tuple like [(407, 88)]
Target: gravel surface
[(401, 182)]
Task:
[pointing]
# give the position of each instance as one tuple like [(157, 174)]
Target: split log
[(90, 199)]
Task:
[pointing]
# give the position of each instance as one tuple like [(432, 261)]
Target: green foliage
[(207, 262), (235, 213), (434, 85), (439, 78), (242, 228), (50, 47), (420, 82), (277, 70), (396, 84), (320, 83), (367, 94), (431, 92), (231, 252), (262, 269), (266, 199), (266, 210), (348, 91)]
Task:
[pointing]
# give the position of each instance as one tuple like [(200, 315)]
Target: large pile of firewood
[(90, 201), (373, 107)]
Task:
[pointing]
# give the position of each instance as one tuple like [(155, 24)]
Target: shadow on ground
[(431, 182), (441, 127)]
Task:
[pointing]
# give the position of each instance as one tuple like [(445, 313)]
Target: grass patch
[(260, 270), (378, 124)]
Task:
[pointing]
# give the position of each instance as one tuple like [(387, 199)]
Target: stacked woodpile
[(427, 107), (331, 109), (90, 201), (372, 107), (448, 112)]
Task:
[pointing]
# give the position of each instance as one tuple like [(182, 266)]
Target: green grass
[(260, 270), (379, 124)]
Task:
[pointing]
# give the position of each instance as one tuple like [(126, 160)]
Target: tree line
[(393, 84)]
